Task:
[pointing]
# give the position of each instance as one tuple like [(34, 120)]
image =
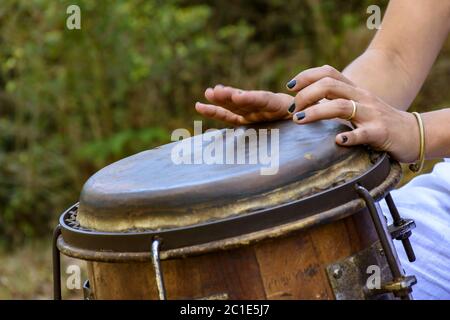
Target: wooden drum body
[(292, 267), (152, 229)]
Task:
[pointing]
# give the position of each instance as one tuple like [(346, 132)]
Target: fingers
[(256, 100), (308, 77), (223, 96), (353, 138), (326, 88), (244, 102), (220, 95), (219, 113), (338, 108)]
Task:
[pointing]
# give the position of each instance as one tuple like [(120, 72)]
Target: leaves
[(73, 101)]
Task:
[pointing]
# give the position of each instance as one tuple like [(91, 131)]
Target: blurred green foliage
[(72, 101)]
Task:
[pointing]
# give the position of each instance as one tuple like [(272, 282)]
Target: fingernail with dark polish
[(291, 108), (344, 139), (291, 83), (300, 115)]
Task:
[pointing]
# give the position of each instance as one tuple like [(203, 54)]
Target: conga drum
[(150, 228)]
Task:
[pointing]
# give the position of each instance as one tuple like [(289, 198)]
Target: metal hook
[(158, 271)]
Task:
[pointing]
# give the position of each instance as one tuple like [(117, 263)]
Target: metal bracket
[(385, 238), (348, 277)]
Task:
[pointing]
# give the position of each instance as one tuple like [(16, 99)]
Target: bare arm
[(388, 74), (383, 81), (398, 60), (393, 68)]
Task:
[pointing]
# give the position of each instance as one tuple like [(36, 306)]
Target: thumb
[(353, 138)]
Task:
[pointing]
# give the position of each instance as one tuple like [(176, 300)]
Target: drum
[(152, 228)]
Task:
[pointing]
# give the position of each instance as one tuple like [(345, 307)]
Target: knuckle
[(378, 114), (327, 85), (328, 82), (329, 69), (307, 77), (364, 134), (367, 95), (301, 102), (300, 76), (382, 130), (343, 105), (266, 95), (313, 112)]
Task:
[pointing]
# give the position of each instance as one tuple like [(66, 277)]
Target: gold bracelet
[(418, 166)]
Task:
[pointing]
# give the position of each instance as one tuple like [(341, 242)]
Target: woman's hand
[(239, 107), (376, 123)]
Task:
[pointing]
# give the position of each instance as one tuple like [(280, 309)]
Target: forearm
[(437, 133), (382, 73), (399, 58)]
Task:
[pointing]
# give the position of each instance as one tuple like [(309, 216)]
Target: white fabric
[(426, 199)]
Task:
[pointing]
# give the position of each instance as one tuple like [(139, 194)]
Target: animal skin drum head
[(201, 207), (148, 191)]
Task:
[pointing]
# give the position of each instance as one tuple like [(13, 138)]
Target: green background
[(73, 101)]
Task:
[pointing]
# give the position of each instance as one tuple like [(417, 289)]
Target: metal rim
[(328, 205)]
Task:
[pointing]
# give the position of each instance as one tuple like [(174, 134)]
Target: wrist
[(406, 144), (437, 133)]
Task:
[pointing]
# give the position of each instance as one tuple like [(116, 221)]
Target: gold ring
[(353, 112)]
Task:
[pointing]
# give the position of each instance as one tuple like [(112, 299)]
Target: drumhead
[(150, 191)]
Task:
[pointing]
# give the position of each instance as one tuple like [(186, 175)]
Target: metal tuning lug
[(401, 228)]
